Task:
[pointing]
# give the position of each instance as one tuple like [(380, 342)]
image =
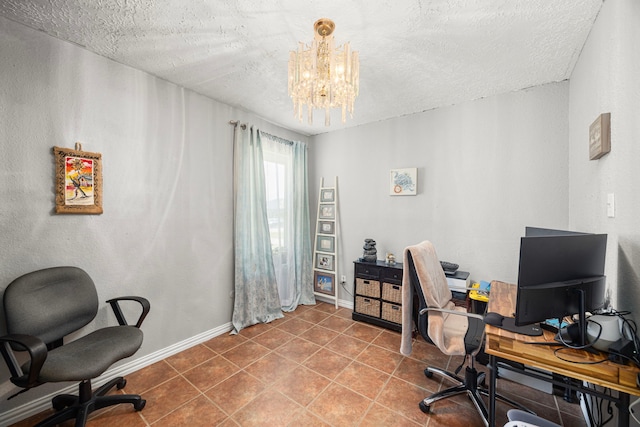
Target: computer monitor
[(561, 273)]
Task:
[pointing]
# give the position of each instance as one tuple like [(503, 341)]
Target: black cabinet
[(378, 294)]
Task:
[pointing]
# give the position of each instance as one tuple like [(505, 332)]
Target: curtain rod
[(275, 138), (235, 123)]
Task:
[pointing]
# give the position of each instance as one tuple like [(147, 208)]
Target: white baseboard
[(43, 403)]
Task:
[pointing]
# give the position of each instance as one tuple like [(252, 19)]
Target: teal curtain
[(256, 292), (293, 263)]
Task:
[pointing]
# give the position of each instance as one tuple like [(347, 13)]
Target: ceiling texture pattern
[(414, 55)]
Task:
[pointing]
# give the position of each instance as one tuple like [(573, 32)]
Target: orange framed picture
[(78, 181)]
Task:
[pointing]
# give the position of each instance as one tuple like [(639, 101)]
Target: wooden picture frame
[(327, 211), (325, 244), (328, 195), (78, 181), (403, 182), (325, 261), (324, 283), (326, 227), (600, 136)]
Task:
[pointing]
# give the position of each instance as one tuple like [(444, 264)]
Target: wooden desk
[(510, 346)]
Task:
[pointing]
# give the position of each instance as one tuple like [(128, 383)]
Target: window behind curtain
[(275, 172)]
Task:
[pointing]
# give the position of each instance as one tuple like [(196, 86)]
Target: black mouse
[(494, 319)]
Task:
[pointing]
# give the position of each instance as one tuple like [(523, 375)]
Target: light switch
[(611, 205)]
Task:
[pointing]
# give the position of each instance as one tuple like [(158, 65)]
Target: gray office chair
[(43, 307), (452, 329)]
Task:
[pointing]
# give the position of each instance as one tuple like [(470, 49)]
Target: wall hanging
[(78, 181)]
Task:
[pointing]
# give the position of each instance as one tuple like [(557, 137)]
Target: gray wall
[(166, 231), (486, 169), (606, 80)]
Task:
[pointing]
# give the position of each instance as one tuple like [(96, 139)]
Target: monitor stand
[(509, 324)]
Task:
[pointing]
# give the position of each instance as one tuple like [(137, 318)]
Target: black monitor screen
[(557, 272)]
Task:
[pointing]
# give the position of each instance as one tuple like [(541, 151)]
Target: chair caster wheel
[(428, 373), (121, 384), (139, 405), (424, 407)]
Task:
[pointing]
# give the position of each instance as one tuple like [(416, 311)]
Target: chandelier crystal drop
[(322, 76)]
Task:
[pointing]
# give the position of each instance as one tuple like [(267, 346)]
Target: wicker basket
[(368, 288), (391, 292), (368, 306), (392, 312)]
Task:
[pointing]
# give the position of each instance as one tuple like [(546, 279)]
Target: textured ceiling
[(414, 55)]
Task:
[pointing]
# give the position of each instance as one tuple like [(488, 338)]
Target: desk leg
[(493, 377), (623, 410)]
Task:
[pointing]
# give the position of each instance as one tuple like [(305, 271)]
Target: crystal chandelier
[(323, 76)]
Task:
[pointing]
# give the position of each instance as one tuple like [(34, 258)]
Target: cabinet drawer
[(393, 275), (371, 271), (368, 306), (392, 312), (392, 292), (368, 288)]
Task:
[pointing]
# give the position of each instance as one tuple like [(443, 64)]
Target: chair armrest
[(115, 305), (37, 354), (459, 313)]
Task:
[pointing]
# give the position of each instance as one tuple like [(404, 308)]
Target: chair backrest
[(50, 303), (428, 280)]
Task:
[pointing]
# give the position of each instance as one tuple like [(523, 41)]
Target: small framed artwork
[(327, 212), (324, 262), (325, 244), (403, 182), (328, 195), (600, 136), (326, 227), (324, 283), (78, 181)]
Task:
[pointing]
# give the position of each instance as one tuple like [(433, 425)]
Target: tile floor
[(315, 367)]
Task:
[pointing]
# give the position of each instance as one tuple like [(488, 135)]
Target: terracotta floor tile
[(308, 419), (346, 346), (298, 350), (210, 373), (448, 413), (148, 377), (363, 332), (191, 357), (268, 409), (327, 363), (363, 379), (295, 326), (378, 416), (246, 353), (167, 397), (199, 412), (254, 330), (236, 391), (225, 342), (389, 340), (313, 316), (326, 307), (340, 406), (403, 397), (273, 338), (379, 358), (412, 371), (301, 385), (269, 368), (347, 313), (335, 323), (319, 335)]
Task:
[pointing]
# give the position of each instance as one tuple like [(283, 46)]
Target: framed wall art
[(78, 181), (600, 136), (324, 261), (403, 182), (327, 195), (325, 244), (324, 283), (326, 227), (327, 212)]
